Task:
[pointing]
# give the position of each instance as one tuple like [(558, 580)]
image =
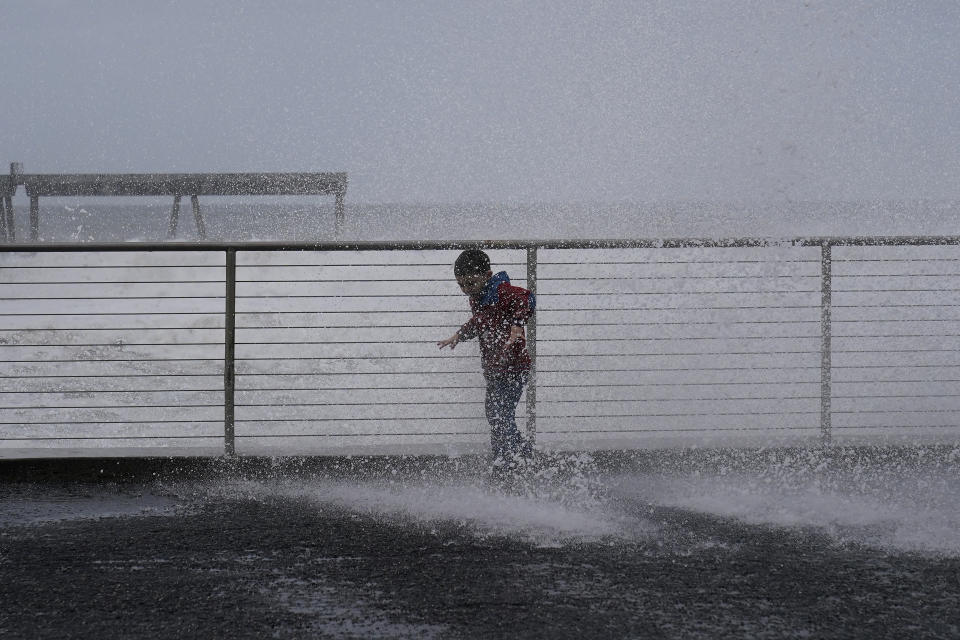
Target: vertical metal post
[(532, 349), (4, 234), (198, 217), (174, 217), (826, 291), (338, 215), (229, 337), (34, 218), (11, 229), (16, 171)]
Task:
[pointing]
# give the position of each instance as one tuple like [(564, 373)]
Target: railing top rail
[(431, 245), (173, 184)]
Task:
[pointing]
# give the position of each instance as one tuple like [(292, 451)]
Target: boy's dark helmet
[(471, 262)]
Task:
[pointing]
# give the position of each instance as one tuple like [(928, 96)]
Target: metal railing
[(327, 346)]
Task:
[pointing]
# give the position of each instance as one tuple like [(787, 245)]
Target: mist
[(498, 101)]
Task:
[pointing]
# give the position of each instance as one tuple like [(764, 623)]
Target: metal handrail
[(440, 245)]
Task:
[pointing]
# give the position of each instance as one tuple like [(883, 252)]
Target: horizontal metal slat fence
[(313, 348), (338, 351), (112, 350), (896, 319), (641, 345)]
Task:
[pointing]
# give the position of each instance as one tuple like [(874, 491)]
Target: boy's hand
[(450, 342), (516, 333)]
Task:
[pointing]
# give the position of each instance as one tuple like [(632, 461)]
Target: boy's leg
[(503, 395)]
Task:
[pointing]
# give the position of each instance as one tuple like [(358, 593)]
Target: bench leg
[(174, 218), (198, 217)]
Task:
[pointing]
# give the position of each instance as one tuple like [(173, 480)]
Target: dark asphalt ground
[(275, 564)]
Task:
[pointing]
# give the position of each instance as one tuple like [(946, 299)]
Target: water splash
[(879, 507), (557, 499)]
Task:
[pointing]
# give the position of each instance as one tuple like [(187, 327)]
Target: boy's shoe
[(511, 475)]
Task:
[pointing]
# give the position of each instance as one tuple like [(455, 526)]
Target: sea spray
[(893, 499), (558, 497)]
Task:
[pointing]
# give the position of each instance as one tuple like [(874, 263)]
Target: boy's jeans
[(503, 395)]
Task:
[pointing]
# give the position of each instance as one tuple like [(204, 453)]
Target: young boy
[(500, 312)]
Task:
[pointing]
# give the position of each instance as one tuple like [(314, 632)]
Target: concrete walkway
[(307, 556)]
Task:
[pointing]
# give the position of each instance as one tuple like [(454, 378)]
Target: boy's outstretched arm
[(451, 342), (466, 332)]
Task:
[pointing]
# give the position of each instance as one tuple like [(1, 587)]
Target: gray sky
[(497, 101)]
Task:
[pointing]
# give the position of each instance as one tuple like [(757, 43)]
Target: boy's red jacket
[(497, 308)]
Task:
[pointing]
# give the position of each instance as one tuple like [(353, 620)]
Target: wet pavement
[(340, 557)]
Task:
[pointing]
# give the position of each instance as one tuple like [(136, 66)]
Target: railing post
[(826, 291), (229, 337), (532, 349)]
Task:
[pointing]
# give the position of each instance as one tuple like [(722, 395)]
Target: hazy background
[(497, 101)]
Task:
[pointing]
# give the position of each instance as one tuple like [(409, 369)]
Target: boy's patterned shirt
[(496, 309)]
